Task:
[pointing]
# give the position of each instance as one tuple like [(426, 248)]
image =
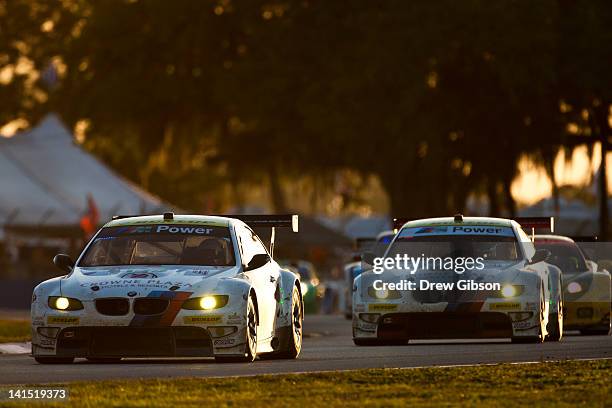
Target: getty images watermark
[(410, 264)]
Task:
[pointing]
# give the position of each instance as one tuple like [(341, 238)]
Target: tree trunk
[(276, 190), (493, 198)]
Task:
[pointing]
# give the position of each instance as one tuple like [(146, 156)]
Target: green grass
[(559, 384), (14, 331)]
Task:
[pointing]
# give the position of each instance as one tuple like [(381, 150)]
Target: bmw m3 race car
[(485, 280), (163, 286), (586, 289), (354, 268)]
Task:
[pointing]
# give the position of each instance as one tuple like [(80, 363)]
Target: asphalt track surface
[(327, 346)]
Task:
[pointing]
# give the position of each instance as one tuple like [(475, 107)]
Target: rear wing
[(272, 221), (536, 223)]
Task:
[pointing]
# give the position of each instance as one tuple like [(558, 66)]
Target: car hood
[(136, 281)]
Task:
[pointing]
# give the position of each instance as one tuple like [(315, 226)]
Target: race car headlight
[(384, 293), (208, 302), (509, 291), (64, 303), (574, 287), (304, 288)]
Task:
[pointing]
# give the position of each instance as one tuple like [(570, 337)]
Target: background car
[(526, 307), (354, 268), (312, 289), (586, 288)]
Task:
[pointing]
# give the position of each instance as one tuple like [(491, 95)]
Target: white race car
[(163, 286), (507, 292)]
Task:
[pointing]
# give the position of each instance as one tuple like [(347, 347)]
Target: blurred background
[(348, 113)]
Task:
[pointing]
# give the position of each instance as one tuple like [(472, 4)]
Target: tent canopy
[(45, 179)]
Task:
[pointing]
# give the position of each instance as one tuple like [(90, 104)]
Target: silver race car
[(166, 285)]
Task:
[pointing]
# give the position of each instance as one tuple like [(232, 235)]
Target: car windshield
[(564, 255), (498, 244), (161, 244)]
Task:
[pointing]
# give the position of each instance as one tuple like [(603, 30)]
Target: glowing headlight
[(64, 303), (574, 287), (508, 291), (304, 288), (208, 302), (382, 294)]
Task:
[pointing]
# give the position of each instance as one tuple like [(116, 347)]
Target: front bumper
[(177, 341), (468, 320), (442, 325)]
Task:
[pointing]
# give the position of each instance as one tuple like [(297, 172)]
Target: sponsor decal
[(234, 318), (504, 306), (139, 275), (224, 342), (136, 283), (139, 229), (531, 306), (430, 230), (184, 230), (202, 319), (197, 273), (62, 320), (458, 230), (381, 307), (527, 324), (132, 293), (46, 342)]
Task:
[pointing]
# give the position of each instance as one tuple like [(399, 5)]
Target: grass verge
[(559, 384), (14, 331)]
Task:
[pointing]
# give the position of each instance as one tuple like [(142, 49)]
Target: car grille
[(113, 306), (134, 342), (150, 306)]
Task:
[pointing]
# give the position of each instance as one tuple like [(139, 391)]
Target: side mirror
[(64, 262), (257, 261), (540, 256), (368, 257)]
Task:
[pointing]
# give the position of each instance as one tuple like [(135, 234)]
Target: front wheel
[(294, 343), (555, 322), (250, 351)]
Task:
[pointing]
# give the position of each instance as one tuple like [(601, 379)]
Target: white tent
[(45, 179)]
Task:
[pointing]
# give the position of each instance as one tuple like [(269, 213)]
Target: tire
[(54, 360), (555, 322), (103, 360), (250, 338), (294, 343)]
